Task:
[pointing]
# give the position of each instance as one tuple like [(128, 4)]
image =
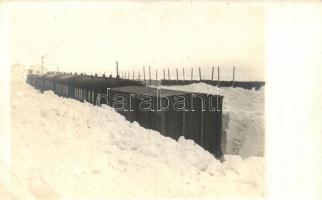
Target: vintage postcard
[(158, 99)]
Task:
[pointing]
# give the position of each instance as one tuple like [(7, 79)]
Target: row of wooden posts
[(126, 75)]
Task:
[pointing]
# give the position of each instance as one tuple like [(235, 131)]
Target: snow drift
[(62, 148), (243, 117)]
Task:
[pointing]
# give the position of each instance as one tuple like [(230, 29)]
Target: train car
[(194, 121), (31, 79), (49, 81), (40, 82), (173, 113), (65, 85), (88, 88)]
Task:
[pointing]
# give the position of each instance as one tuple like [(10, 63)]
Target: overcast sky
[(160, 34)]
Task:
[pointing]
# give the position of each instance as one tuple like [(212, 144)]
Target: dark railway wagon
[(49, 81), (173, 113), (90, 87), (161, 110), (64, 85), (31, 79), (40, 82)]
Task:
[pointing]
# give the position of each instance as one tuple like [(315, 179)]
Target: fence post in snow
[(117, 69), (139, 75), (168, 74), (191, 73), (177, 73), (156, 76), (212, 73), (150, 74), (199, 74), (144, 74), (183, 74), (234, 76), (133, 75), (218, 77), (163, 73)]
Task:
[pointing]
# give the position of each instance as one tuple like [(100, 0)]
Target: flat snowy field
[(62, 148)]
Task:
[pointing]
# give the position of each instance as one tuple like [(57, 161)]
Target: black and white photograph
[(160, 99)]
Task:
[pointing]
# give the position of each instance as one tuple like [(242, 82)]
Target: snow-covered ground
[(243, 117), (62, 148)]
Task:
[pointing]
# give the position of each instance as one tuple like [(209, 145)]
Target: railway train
[(200, 124)]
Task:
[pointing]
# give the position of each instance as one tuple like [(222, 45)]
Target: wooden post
[(150, 74), (133, 75), (163, 73), (234, 76), (177, 73), (212, 73), (156, 76), (218, 77), (199, 74), (183, 74), (117, 69), (144, 74), (168, 74), (139, 75), (42, 64), (191, 73)]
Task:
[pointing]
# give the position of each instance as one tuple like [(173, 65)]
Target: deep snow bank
[(243, 110), (64, 148)]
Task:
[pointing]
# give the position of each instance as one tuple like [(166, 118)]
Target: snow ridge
[(63, 148)]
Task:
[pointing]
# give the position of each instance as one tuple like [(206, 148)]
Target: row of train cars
[(201, 124)]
